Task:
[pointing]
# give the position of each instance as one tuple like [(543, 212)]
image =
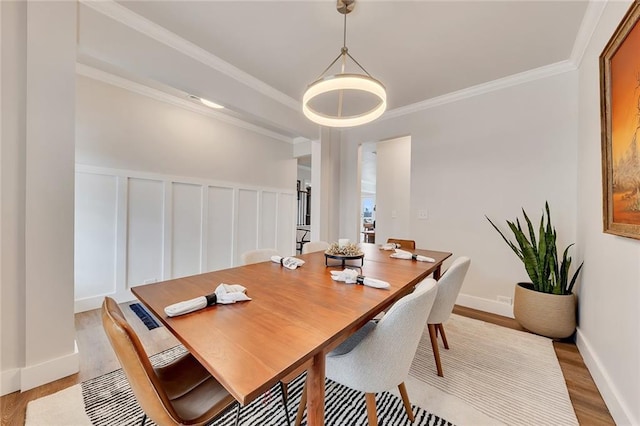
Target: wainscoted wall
[(133, 228)]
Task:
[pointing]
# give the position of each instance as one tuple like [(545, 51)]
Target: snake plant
[(540, 257)]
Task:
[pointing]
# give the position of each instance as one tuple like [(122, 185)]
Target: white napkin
[(403, 254), (288, 262), (389, 246), (224, 294), (186, 306), (350, 276)]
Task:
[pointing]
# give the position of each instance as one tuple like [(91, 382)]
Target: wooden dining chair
[(449, 286), (404, 244), (181, 392)]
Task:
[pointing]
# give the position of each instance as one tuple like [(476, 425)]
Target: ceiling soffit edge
[(144, 26), (159, 95)]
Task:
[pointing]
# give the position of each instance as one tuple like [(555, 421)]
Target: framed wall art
[(620, 114)]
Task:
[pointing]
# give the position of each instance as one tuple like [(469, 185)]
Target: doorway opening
[(385, 190)]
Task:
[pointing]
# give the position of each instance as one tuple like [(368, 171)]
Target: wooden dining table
[(294, 318)]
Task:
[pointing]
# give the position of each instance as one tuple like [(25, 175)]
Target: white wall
[(304, 176), (393, 189), (488, 155), (609, 295), (13, 84), (327, 162), (38, 75), (164, 192), (119, 129)]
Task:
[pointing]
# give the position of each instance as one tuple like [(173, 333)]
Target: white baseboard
[(9, 381), (39, 374), (620, 412), (485, 305), (95, 302)]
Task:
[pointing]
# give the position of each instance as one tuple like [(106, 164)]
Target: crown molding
[(512, 80), (589, 23), (126, 17), (123, 83)]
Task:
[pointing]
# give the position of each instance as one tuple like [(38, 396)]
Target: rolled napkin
[(350, 276), (403, 254), (224, 294), (231, 293), (389, 246), (288, 262)]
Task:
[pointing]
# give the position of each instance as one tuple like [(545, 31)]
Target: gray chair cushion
[(353, 340)]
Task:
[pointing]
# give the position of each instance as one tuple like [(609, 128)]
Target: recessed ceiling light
[(206, 102)]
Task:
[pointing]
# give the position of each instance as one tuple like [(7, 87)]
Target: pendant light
[(344, 99)]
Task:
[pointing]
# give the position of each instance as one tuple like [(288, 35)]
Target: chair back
[(404, 244), (449, 286), (315, 246), (383, 357), (133, 358), (259, 255)]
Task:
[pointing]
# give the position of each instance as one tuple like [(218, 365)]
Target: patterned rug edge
[(109, 400)]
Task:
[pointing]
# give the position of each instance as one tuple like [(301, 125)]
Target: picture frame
[(620, 127)]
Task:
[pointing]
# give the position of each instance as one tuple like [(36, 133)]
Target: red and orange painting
[(622, 68)]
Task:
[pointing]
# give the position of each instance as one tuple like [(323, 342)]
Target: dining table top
[(293, 315)]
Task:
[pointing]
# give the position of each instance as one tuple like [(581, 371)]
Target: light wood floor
[(97, 357)]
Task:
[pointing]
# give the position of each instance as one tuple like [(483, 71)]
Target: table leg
[(436, 273), (315, 389)]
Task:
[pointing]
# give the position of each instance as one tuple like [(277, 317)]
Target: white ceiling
[(257, 57)]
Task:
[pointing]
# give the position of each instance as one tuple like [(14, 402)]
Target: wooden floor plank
[(97, 358)]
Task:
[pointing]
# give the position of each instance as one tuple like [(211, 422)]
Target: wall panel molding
[(230, 218)]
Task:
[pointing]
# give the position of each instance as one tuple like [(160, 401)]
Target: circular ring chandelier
[(343, 82)]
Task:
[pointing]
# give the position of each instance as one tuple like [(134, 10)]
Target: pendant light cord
[(344, 52), (344, 39)]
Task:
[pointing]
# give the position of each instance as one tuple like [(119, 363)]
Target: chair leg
[(283, 389), (405, 400), (303, 405), (444, 337), (371, 409), (237, 413), (144, 419), (434, 345)]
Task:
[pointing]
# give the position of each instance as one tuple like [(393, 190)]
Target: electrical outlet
[(504, 299), (422, 214), (150, 281)]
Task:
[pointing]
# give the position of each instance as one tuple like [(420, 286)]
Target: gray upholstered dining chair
[(259, 255), (449, 286), (312, 246), (378, 356)]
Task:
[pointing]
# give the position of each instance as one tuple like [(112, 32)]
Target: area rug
[(509, 375), (108, 400), (492, 376)]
